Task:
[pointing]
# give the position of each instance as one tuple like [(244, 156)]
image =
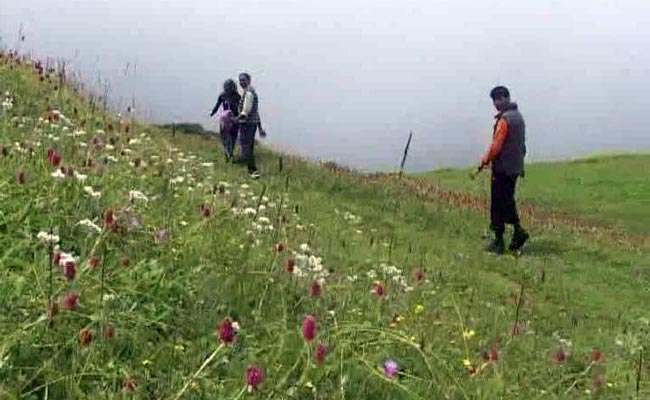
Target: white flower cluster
[(91, 192), (309, 265), (137, 195), (90, 224), (47, 237)]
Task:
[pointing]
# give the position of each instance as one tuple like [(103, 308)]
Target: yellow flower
[(467, 362), (468, 334), (610, 385), (309, 385), (419, 309)]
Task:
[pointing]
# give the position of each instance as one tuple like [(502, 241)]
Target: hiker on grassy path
[(506, 155), (228, 125), (249, 120)]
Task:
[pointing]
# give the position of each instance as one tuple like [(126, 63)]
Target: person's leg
[(231, 136), (497, 221), (247, 138), (520, 236)]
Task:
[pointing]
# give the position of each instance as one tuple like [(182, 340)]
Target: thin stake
[(406, 151), (519, 301), (638, 373)]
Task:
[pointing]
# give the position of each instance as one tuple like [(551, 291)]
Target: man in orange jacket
[(506, 155)]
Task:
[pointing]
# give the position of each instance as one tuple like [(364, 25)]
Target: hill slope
[(164, 243), (614, 190)]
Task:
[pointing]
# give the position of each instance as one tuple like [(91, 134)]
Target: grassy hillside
[(167, 247), (614, 190)]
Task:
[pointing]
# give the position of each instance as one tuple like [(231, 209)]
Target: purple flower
[(162, 234), (390, 369)]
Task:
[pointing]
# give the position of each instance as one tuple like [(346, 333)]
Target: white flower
[(66, 258), (300, 227), (110, 147), (352, 278), (58, 174), (90, 224), (244, 186), (304, 247), (89, 190), (111, 158), (80, 177), (224, 184), (137, 195), (264, 220), (372, 274), (183, 223), (47, 238), (207, 164), (178, 179), (262, 207), (250, 211)]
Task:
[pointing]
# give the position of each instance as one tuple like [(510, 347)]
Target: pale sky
[(348, 79)]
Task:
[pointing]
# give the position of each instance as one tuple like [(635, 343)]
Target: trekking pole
[(474, 174)]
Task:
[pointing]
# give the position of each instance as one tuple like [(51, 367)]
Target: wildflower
[(226, 331), (108, 331), (21, 177), (320, 353), (80, 177), (254, 377), (597, 356), (162, 234), (468, 334), (304, 247), (494, 355), (93, 262), (69, 270), (48, 238), (309, 328), (419, 309), (70, 301), (279, 247), (137, 195), (89, 190), (129, 385), (56, 258), (58, 174), (290, 264), (206, 211), (85, 337), (90, 224), (418, 275), (250, 211), (109, 219), (391, 369), (560, 357), (378, 289), (53, 157), (315, 289)]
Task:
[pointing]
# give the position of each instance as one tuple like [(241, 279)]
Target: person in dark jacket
[(249, 120), (228, 125), (506, 155)]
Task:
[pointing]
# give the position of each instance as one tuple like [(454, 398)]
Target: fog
[(348, 79)]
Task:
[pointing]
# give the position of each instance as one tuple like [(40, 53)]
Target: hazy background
[(347, 79)]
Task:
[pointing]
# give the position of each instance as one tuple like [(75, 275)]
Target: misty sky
[(347, 79)]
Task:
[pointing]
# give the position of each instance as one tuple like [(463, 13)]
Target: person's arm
[(501, 133), (259, 127), (216, 106), (247, 106)]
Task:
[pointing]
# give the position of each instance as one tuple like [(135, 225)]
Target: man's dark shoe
[(497, 246), (519, 238)]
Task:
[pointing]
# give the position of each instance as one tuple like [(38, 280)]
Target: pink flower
[(109, 219), (560, 357), (21, 177), (315, 289), (597, 356), (391, 369), (53, 157), (129, 385), (70, 301), (254, 376), (108, 331), (494, 355), (309, 328), (378, 289), (85, 337), (206, 211), (279, 247), (69, 270), (227, 332), (321, 353), (93, 262), (56, 259), (418, 275), (289, 265)]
